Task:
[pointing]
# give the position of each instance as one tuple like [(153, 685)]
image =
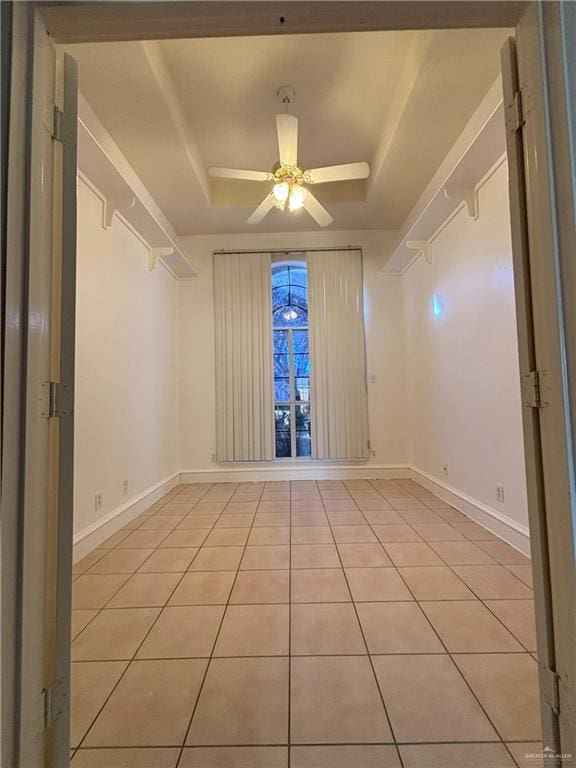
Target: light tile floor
[(328, 624)]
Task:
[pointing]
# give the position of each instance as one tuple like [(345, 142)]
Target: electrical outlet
[(445, 468), (125, 486), (98, 500), (499, 493), (372, 378), (373, 454), (213, 457)]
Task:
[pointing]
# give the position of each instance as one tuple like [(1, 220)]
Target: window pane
[(298, 296), (302, 365), (279, 276), (282, 423), (303, 440), (282, 390), (281, 366), (298, 276), (302, 388), (290, 316), (280, 341), (280, 296), (300, 341)]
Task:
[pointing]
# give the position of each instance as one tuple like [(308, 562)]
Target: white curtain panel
[(339, 410), (244, 371)]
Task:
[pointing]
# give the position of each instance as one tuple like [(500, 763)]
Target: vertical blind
[(244, 373), (339, 410)]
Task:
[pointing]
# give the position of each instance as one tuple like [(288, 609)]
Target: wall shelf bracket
[(463, 194), (113, 204), (158, 252), (423, 247)]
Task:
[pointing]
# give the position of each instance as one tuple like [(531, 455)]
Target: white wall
[(126, 367), (384, 342), (462, 367)]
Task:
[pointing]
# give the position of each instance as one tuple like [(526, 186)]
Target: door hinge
[(55, 698), (535, 389), (54, 122), (515, 113), (550, 688), (56, 400)]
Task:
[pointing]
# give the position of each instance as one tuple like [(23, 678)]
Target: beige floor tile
[(91, 684), (243, 701), (225, 537), (319, 585), (353, 534), (241, 507), (306, 507), (145, 590), (209, 507), (95, 591), (121, 561), (390, 533), (503, 553), (177, 507), (518, 616), (527, 754), (522, 572), (266, 558), (254, 630), (169, 560), (363, 555), (81, 619), (450, 515), (364, 756), (455, 756), (282, 505), (420, 516), (161, 522), (461, 553), (315, 556), (151, 706), (325, 628), (308, 519), (234, 757), (217, 559), (340, 505), (197, 521), (126, 758), (261, 587), (438, 532), (336, 700), (376, 584), (269, 536), (469, 627), (383, 517), (143, 539), (475, 532), (372, 504), (87, 562), (346, 518), (310, 534), (116, 538), (492, 582), (412, 553), (114, 634), (192, 537), (206, 588), (409, 503), (183, 632), (435, 583), (428, 701), (271, 519), (235, 521), (397, 628), (506, 685)]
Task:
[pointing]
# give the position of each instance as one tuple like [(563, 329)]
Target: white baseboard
[(515, 534), (305, 470), (89, 538)]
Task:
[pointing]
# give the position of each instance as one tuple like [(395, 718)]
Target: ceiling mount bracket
[(157, 252), (113, 204), (423, 247), (286, 95), (463, 194)]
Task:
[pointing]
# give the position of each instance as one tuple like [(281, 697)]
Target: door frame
[(553, 183)]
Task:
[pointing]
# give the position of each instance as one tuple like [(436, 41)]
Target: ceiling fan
[(290, 182)]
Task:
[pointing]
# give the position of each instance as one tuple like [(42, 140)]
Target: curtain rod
[(287, 250)]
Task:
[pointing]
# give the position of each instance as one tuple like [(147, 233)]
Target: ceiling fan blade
[(287, 127), (338, 173), (259, 213), (236, 173), (317, 211)]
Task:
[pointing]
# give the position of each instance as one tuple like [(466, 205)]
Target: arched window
[(291, 359)]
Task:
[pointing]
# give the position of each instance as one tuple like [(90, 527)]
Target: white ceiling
[(395, 99)]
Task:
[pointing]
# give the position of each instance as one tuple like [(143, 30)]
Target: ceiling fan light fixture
[(281, 191), (297, 197)]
